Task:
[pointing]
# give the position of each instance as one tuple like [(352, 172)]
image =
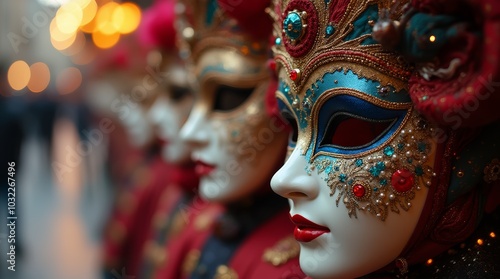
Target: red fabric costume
[(156, 207)]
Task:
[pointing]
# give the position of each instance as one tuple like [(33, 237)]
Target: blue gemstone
[(342, 177), (277, 41), (293, 26), (383, 182), (401, 146), (359, 162), (422, 147), (287, 89), (381, 166), (389, 151), (419, 171), (336, 168), (329, 30), (375, 170), (375, 189)]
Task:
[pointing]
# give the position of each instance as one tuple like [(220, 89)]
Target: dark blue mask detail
[(350, 106)]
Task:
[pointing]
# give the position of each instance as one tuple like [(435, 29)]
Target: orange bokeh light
[(40, 77), (69, 17), (89, 12), (104, 41), (59, 40), (126, 17), (104, 18), (19, 75)]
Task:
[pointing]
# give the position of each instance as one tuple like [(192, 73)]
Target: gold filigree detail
[(225, 272), (203, 221), (408, 151), (286, 249), (492, 171), (197, 32), (156, 254), (179, 222), (335, 52), (190, 262)]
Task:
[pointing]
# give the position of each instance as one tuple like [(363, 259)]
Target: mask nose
[(292, 180), (156, 112), (194, 131)]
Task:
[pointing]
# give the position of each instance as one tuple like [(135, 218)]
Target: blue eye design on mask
[(349, 125)]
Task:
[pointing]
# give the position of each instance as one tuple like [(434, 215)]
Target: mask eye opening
[(227, 98), (178, 93), (350, 132)]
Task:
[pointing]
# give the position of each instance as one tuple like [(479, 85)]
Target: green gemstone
[(422, 147), (419, 171), (389, 151), (293, 26), (342, 177), (377, 169), (329, 30)]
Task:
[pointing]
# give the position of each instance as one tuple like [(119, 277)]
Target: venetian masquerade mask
[(363, 158), (349, 99), (237, 145), (363, 161)]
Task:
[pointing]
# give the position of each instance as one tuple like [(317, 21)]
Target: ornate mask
[(170, 111), (365, 170), (172, 98), (237, 145), (363, 159)]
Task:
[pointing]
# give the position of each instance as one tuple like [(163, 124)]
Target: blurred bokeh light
[(40, 77), (19, 75)]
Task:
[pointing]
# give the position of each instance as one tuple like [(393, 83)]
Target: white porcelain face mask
[(236, 145), (169, 112), (138, 126), (361, 160), (356, 177), (112, 96)]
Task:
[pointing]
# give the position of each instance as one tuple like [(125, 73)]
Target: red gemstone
[(402, 180), (399, 263), (272, 65), (358, 190), (294, 75)]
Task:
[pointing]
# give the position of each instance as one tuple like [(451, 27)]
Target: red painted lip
[(201, 168), (305, 230)]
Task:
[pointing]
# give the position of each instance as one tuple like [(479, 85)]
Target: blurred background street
[(49, 53)]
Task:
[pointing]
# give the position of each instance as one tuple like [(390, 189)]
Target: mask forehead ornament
[(333, 75), (205, 24)]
